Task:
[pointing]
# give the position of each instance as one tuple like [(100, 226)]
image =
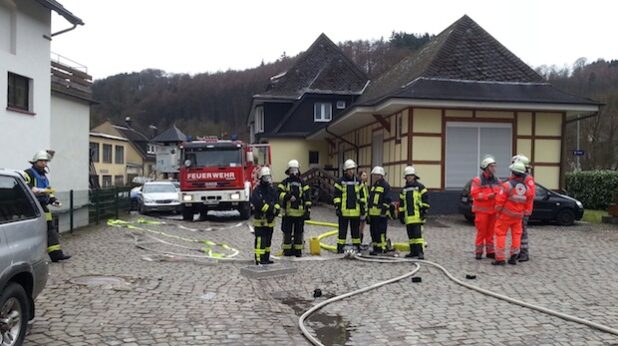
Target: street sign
[(578, 152)]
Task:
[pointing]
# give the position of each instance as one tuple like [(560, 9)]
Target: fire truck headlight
[(235, 196), (187, 198)]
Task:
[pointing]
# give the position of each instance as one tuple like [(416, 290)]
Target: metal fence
[(108, 202)]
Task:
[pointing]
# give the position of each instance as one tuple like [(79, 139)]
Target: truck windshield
[(215, 157)]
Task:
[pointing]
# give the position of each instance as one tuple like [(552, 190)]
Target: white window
[(322, 112), (340, 104), (152, 149), (259, 119), (468, 143), (398, 126)]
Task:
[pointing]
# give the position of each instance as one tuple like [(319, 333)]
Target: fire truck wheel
[(187, 214), (245, 211)]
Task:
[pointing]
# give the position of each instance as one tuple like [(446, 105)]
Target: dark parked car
[(549, 206)]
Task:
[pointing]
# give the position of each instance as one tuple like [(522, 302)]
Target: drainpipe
[(60, 32), (345, 140)]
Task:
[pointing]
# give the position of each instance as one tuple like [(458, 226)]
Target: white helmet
[(264, 171), (378, 170), (410, 170), (349, 164), (293, 164), (41, 155), (521, 158), (518, 167), (488, 160)]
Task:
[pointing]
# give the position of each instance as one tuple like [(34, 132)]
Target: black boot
[(523, 257), (298, 252), (266, 259), (498, 263), (513, 259), (411, 255), (491, 255), (339, 248), (478, 256), (58, 255), (287, 252), (421, 256)]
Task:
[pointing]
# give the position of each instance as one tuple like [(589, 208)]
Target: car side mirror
[(188, 163)]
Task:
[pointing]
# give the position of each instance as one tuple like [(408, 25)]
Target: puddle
[(329, 329), (208, 296), (105, 282)]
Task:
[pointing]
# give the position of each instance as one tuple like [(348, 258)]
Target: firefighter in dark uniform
[(379, 210), (413, 206), (265, 203), (37, 180), (295, 198), (350, 205)]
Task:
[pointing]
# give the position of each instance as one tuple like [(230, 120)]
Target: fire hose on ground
[(384, 259)]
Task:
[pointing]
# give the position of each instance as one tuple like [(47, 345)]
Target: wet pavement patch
[(329, 329)]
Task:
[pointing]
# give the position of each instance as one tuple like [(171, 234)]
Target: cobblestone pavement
[(191, 301)]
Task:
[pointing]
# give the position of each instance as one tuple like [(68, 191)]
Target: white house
[(31, 118)]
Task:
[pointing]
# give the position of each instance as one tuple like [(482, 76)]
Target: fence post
[(71, 204), (116, 201), (97, 206)]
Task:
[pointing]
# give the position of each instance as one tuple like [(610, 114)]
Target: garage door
[(468, 143)]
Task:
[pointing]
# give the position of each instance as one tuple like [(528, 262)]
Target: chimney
[(154, 129), (128, 121)]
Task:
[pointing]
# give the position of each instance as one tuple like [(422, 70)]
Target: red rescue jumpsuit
[(524, 235), (511, 205), (483, 191)]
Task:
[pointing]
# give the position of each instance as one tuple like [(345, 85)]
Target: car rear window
[(15, 204)]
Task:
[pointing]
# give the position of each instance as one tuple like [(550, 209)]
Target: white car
[(158, 196)]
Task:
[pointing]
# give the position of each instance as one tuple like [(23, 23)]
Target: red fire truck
[(219, 175)]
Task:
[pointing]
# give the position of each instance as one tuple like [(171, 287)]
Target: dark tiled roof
[(463, 51), (171, 135), (322, 68), (458, 90), (137, 138)]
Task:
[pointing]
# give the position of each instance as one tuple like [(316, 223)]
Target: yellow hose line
[(403, 247)]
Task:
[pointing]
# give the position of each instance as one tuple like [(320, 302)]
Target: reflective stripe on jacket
[(294, 186), (483, 191), (414, 203), (350, 197), (513, 198), (379, 199)]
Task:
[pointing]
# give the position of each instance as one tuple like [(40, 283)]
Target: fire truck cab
[(219, 175)]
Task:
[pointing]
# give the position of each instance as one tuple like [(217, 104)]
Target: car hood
[(161, 195), (559, 195)]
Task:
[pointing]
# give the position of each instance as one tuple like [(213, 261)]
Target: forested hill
[(216, 103)]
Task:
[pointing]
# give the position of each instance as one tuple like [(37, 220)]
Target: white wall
[(21, 135)]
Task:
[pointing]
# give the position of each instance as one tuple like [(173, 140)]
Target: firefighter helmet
[(522, 158), (488, 160), (293, 164), (410, 170), (264, 171), (41, 155), (378, 170), (349, 164), (518, 167)]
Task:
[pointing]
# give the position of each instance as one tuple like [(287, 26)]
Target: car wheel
[(141, 209), (565, 217), (13, 315)]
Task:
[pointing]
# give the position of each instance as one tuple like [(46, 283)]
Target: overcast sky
[(191, 36)]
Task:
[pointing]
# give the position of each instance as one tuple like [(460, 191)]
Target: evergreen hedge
[(595, 189)]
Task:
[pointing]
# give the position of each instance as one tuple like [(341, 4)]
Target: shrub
[(595, 189)]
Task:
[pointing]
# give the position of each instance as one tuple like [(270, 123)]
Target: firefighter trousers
[(523, 251), (503, 224), (485, 224), (292, 228), (354, 223), (263, 237), (415, 236), (377, 228), (54, 250)]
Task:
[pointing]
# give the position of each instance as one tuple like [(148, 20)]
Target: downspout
[(60, 32), (346, 141)]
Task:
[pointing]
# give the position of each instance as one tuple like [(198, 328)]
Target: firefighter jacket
[(379, 200), (513, 198), (483, 191), (413, 203), (294, 186), (531, 186), (264, 199), (350, 199), (38, 179)]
